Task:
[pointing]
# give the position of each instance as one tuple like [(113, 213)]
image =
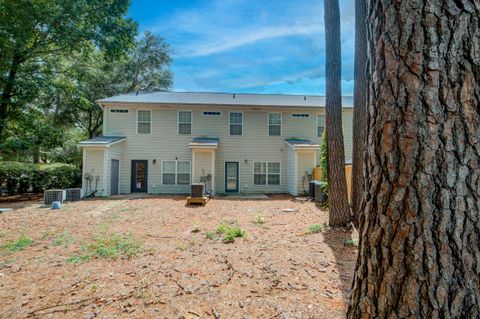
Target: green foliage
[(259, 219), (112, 246), (20, 244), (315, 228), (63, 239), (211, 235), (230, 230), (324, 158), (350, 242), (19, 177)]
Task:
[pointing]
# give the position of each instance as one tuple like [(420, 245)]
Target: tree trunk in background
[(36, 154), (359, 110), (339, 212), (419, 251), (7, 93)]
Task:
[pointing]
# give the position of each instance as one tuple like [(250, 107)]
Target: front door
[(231, 177), (114, 177), (139, 176)]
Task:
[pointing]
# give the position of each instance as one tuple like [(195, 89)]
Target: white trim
[(84, 166), (268, 123), (243, 122), (266, 173), (95, 145), (105, 190), (178, 122), (118, 186), (213, 172), (225, 176), (151, 121), (295, 193), (193, 166)]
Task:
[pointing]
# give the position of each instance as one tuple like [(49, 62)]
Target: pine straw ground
[(277, 271)]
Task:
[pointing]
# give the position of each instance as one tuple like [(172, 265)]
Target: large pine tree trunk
[(419, 251), (337, 185), (359, 109)]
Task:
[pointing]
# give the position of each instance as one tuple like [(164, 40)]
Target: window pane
[(169, 179), (236, 118), (274, 130), (143, 116), (320, 130), (184, 128), (184, 117), (259, 168), (144, 128), (183, 167), (273, 168), (259, 179), (236, 129), (274, 179), (183, 179), (275, 118), (169, 167)]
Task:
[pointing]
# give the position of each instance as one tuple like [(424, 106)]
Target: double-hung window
[(236, 123), (176, 172), (274, 124), (185, 122), (144, 121), (320, 124), (266, 173)]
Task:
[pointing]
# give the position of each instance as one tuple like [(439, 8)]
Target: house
[(161, 142)]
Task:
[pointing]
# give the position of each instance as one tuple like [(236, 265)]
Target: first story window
[(176, 172), (144, 121), (236, 123), (184, 122), (266, 173), (320, 124)]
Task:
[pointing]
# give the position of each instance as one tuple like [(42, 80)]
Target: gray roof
[(205, 98), (205, 140), (301, 143), (103, 140)]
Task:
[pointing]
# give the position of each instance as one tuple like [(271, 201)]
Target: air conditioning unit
[(197, 190), (54, 195), (73, 194)]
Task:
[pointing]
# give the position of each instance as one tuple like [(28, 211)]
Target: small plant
[(211, 235), (64, 239), (20, 244), (230, 230), (259, 220), (350, 242), (315, 228), (77, 259)]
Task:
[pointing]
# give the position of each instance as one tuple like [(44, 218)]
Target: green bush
[(18, 177), (324, 158)]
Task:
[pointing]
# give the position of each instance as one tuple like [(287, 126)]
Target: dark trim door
[(231, 177), (139, 176), (114, 176)]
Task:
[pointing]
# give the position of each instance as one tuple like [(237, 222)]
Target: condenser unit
[(54, 195)]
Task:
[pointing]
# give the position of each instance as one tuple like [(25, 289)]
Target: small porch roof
[(301, 144), (204, 142), (102, 141)]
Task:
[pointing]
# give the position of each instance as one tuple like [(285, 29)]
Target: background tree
[(359, 109), (33, 30), (339, 212), (420, 234)]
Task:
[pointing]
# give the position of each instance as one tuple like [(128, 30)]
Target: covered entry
[(203, 162)]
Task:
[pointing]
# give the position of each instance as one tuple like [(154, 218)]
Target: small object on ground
[(197, 200), (302, 199), (56, 205), (288, 210), (4, 210)]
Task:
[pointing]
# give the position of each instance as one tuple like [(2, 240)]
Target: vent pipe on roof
[(305, 98), (136, 93), (233, 95)]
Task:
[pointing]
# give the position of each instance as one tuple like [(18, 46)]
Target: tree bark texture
[(419, 250), (337, 186), (359, 110)]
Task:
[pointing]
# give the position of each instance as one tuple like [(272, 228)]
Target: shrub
[(230, 230), (20, 177)]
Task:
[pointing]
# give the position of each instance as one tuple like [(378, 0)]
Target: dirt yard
[(151, 258)]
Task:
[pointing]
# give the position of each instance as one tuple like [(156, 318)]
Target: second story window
[(236, 123), (274, 124), (320, 124), (184, 122), (144, 121)]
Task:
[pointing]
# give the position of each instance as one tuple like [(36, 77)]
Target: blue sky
[(254, 46)]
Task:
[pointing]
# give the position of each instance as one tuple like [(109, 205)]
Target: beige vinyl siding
[(305, 162), (292, 186), (165, 144), (94, 164)]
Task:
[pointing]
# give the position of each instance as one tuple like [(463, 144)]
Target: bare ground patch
[(276, 271)]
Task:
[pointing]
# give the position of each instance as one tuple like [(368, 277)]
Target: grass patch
[(315, 228), (64, 239), (229, 230), (259, 220), (20, 244)]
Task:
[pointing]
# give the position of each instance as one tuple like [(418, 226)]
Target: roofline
[(160, 104), (98, 145), (303, 147)]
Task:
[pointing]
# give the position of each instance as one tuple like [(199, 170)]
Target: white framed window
[(236, 123), (212, 113), (118, 111), (266, 173), (176, 172), (320, 124), (144, 121), (185, 122), (274, 124), (300, 115)]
